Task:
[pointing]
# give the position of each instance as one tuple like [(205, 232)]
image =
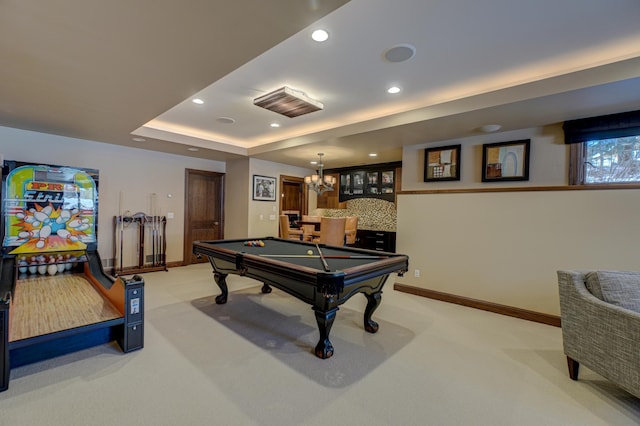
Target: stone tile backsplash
[(373, 213)]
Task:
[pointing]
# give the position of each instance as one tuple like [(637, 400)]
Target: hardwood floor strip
[(45, 304)]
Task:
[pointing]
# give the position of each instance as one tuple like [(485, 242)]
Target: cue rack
[(146, 244)]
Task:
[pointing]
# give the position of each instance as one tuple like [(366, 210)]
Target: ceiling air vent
[(288, 102)]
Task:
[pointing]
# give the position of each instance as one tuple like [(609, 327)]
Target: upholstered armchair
[(600, 314), (331, 231), (350, 230)]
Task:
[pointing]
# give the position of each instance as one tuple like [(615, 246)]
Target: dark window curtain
[(603, 127)]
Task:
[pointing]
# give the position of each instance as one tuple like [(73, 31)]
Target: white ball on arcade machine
[(52, 269)]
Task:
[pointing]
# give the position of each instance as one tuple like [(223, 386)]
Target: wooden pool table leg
[(324, 348), (373, 301), (221, 280)]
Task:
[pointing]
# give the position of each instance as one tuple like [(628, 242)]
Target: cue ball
[(309, 252)]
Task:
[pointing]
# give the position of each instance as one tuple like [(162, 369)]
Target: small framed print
[(506, 161), (264, 188), (442, 163)]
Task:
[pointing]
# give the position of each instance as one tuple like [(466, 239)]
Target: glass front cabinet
[(368, 183)]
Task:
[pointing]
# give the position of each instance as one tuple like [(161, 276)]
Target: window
[(604, 149), (614, 160)]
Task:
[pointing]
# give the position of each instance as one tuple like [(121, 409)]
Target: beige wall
[(134, 173), (548, 163), (236, 214), (263, 215), (505, 247)]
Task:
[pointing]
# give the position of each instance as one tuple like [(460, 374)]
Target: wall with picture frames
[(502, 242), (547, 160)]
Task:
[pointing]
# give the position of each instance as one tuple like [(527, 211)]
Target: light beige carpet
[(250, 362)]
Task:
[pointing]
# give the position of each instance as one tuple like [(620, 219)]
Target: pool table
[(324, 281)]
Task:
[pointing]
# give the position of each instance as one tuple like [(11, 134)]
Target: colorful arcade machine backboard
[(49, 212)]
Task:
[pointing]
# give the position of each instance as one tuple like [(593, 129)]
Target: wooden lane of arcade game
[(55, 297)]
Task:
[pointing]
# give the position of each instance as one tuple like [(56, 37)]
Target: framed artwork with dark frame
[(264, 188), (442, 163), (506, 161)]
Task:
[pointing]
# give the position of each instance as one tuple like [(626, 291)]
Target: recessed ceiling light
[(320, 35), (193, 149), (225, 120), (393, 89), (313, 162), (274, 125), (197, 101), (373, 154), (138, 139), (490, 128)]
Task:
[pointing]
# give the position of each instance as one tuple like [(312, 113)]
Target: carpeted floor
[(250, 362)]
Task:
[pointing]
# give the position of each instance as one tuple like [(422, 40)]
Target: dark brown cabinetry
[(376, 240), (372, 181)]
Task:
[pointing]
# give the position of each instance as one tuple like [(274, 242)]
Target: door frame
[(186, 249), (305, 194)]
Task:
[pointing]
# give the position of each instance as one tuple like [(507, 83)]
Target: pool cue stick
[(326, 257), (158, 235), (156, 216), (149, 220), (153, 234), (154, 238), (324, 261), (121, 228), (157, 238)]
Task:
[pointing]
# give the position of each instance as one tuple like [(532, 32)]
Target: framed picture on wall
[(264, 188), (505, 161), (442, 163)]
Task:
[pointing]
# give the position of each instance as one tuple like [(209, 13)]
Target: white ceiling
[(110, 71)]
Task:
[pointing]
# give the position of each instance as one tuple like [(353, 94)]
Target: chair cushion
[(619, 288)]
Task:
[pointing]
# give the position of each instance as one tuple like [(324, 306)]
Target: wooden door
[(204, 210), (293, 195)]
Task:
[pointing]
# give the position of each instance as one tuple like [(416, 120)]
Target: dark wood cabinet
[(376, 240), (373, 181)]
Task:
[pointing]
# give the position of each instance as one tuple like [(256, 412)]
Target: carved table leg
[(221, 280), (373, 301), (324, 348), (266, 289)]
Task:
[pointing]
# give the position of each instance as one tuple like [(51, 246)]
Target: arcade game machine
[(55, 297)]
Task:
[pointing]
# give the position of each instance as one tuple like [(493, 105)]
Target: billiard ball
[(310, 252)]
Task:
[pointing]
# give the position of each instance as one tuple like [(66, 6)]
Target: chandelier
[(318, 182)]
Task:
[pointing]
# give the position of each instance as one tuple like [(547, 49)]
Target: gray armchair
[(600, 314)]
